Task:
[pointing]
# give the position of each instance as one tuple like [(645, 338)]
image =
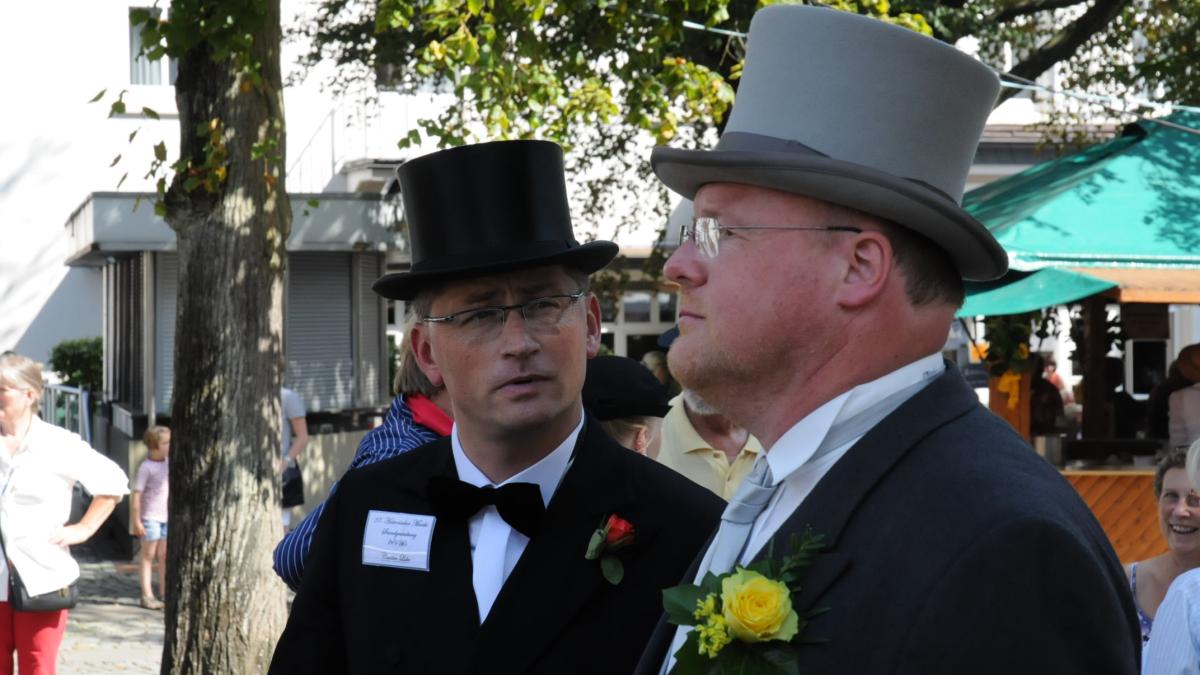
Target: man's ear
[(641, 439), (593, 325), (422, 349), (869, 263)]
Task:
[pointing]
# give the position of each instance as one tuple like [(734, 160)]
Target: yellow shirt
[(685, 451)]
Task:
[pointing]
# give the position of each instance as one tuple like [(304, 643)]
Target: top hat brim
[(586, 258), (973, 250)]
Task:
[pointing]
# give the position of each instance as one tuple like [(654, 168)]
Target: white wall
[(55, 148)]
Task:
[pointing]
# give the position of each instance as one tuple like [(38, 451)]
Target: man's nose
[(686, 266)]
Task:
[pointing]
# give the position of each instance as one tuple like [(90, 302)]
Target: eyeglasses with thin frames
[(541, 315), (706, 232)]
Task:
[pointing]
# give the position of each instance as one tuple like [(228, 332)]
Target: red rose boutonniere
[(614, 534)]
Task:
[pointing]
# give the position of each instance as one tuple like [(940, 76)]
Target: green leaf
[(139, 16), (123, 177), (160, 209), (613, 570), (595, 545), (688, 658), (679, 602), (743, 658), (314, 203), (117, 108), (711, 583), (474, 7), (99, 96), (149, 113), (133, 134), (114, 162), (160, 152)]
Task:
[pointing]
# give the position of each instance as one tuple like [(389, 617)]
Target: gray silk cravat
[(738, 519)]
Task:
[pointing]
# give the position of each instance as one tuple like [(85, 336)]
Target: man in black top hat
[(477, 553)]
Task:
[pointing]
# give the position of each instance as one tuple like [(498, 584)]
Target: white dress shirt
[(495, 545), (36, 485), (795, 476), (1174, 647)]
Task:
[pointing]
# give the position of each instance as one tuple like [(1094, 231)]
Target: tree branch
[(1010, 13), (1063, 45)]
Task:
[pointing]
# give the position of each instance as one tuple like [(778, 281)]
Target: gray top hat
[(857, 112)]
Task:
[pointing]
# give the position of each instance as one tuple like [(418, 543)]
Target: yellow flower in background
[(756, 608), (1022, 351)]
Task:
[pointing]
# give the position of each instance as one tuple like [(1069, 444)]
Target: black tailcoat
[(953, 548), (555, 614)]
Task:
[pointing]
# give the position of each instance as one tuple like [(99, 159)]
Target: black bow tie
[(519, 504)]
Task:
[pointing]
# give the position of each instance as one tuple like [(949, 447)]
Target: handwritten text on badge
[(392, 539)]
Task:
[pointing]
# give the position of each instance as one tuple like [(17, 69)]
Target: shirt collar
[(690, 440), (547, 473), (799, 442)]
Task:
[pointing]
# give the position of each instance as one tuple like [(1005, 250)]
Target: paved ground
[(108, 632)]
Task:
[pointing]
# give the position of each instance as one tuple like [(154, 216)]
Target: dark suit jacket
[(555, 614), (953, 548)]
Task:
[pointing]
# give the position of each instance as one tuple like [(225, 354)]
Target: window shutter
[(318, 340), (166, 286)]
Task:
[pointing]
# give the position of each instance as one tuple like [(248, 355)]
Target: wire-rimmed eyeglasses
[(707, 232), (484, 323)]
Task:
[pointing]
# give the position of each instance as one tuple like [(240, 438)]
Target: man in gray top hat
[(818, 282)]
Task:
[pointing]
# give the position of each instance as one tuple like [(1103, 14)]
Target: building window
[(637, 307), (666, 307), (141, 69)]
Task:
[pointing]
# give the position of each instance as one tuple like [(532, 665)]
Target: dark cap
[(618, 387)]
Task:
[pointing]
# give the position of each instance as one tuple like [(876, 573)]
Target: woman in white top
[(39, 466)]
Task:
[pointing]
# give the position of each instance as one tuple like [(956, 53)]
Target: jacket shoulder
[(407, 467), (659, 485)]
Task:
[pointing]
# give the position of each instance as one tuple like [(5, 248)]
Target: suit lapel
[(837, 495), (552, 580)]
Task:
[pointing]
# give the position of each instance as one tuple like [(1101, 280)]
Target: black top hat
[(618, 387), (485, 209)]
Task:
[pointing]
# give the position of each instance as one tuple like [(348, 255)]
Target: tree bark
[(225, 609)]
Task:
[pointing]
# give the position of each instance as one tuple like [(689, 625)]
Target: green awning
[(1133, 201), (1018, 292)]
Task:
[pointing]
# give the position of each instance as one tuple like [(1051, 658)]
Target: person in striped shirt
[(417, 416)]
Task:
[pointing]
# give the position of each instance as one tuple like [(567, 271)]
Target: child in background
[(150, 513)]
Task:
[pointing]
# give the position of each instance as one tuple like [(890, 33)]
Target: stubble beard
[(714, 377)]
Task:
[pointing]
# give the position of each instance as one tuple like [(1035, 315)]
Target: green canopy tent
[(1126, 211), (1019, 292), (1121, 218)]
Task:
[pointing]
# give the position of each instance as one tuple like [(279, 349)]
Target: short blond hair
[(22, 372), (154, 436)]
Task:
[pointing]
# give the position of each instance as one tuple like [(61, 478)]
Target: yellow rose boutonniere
[(744, 621), (758, 609)]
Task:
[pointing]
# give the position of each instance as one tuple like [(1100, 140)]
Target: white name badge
[(392, 539)]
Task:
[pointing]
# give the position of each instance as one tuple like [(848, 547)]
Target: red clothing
[(36, 636), (426, 413)]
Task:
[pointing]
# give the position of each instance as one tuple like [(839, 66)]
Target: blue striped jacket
[(398, 434)]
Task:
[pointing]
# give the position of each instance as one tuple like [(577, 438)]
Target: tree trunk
[(225, 608)]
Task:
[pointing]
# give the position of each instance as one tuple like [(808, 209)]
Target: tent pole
[(1095, 402)]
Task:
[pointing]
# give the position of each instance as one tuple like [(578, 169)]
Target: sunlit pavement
[(108, 631)]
